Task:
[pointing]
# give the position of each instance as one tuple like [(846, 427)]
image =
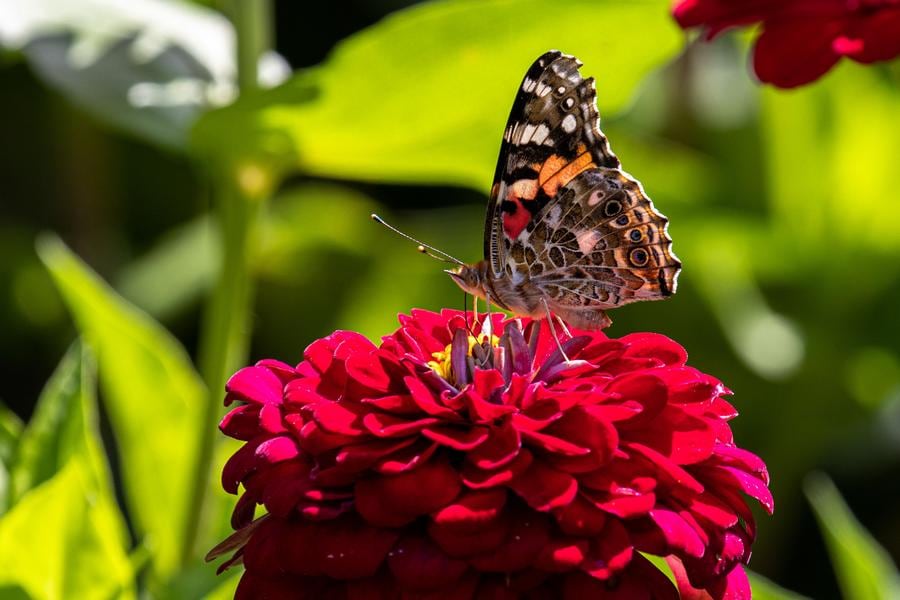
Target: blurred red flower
[(437, 465), (802, 39)]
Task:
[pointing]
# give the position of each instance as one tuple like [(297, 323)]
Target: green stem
[(226, 324)]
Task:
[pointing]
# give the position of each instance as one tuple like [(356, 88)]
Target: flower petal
[(609, 553), (545, 488), (502, 446), (254, 384), (472, 509), (562, 554), (792, 52), (421, 566), (457, 438), (393, 501), (524, 542)]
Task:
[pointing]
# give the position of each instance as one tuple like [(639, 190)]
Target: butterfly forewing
[(552, 134), (562, 215)]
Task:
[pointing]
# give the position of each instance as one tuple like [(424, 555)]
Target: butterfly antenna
[(423, 248)]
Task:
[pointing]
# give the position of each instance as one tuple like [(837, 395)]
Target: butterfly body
[(567, 231)]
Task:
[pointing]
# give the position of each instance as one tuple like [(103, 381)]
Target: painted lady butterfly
[(567, 231)]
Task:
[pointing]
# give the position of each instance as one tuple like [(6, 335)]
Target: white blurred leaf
[(150, 67)]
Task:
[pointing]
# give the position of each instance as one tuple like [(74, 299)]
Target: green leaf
[(10, 430), (153, 397), (764, 589), (225, 591), (301, 221), (64, 425), (424, 94), (186, 258), (810, 135), (62, 540), (864, 570), (150, 67)]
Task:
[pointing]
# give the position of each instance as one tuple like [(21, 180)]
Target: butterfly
[(567, 231)]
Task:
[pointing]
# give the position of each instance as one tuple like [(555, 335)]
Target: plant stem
[(226, 328)]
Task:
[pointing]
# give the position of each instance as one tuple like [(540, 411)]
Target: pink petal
[(242, 422), (678, 534), (794, 52), (457, 438), (393, 501), (653, 345), (277, 449), (545, 488), (424, 399), (384, 425), (581, 518), (421, 566), (562, 554), (254, 384), (476, 478), (502, 446), (730, 477), (465, 541), (472, 509), (527, 537), (609, 553), (338, 417)]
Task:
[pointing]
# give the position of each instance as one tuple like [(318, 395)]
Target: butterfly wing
[(598, 244), (552, 134), (562, 213)]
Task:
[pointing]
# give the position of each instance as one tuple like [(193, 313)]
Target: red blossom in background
[(801, 40), (434, 466)]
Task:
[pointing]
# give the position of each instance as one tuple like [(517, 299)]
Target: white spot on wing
[(541, 134), (595, 198), (569, 123), (587, 238), (543, 90), (528, 84), (527, 133)]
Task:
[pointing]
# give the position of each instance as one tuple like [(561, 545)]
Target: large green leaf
[(424, 94), (153, 397), (821, 206), (765, 589), (10, 430), (63, 425), (187, 258), (62, 540), (864, 570)]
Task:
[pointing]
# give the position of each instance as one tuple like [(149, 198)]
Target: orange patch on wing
[(558, 171), (567, 172)]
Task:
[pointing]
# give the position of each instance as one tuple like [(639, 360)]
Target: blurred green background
[(225, 200)]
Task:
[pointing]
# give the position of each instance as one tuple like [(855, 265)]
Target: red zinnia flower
[(802, 39), (437, 465)]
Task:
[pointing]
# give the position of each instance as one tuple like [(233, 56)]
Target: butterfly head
[(470, 278)]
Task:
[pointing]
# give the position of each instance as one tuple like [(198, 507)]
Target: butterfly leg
[(488, 326), (553, 330), (563, 325)]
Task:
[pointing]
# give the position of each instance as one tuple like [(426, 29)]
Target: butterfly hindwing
[(552, 135), (598, 243)]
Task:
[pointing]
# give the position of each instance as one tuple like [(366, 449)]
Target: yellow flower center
[(441, 362)]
